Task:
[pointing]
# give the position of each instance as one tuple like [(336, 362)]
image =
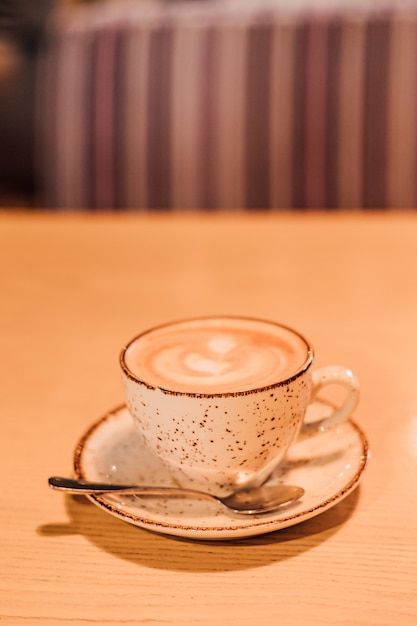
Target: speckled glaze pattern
[(220, 443)]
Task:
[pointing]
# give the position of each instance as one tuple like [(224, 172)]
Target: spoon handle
[(74, 486)]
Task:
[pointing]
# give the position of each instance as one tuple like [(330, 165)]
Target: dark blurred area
[(22, 24)]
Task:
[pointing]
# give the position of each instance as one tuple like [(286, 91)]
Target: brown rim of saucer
[(304, 367)]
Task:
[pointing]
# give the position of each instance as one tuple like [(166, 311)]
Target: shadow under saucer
[(164, 552)]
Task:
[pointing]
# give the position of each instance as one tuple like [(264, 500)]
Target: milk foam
[(216, 355)]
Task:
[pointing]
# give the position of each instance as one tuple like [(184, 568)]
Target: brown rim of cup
[(303, 368)]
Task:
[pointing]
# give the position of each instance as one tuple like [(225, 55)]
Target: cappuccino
[(217, 355), (220, 400)]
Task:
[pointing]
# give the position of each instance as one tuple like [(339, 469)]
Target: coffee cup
[(219, 400)]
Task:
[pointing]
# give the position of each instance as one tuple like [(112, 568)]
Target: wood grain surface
[(75, 288)]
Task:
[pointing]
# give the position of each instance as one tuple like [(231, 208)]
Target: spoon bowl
[(259, 500)]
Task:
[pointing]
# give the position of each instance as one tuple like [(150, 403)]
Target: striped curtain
[(201, 108)]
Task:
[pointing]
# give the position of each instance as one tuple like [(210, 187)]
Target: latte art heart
[(216, 355)]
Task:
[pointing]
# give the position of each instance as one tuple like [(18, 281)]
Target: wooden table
[(75, 288)]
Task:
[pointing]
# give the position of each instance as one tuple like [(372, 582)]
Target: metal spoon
[(264, 499)]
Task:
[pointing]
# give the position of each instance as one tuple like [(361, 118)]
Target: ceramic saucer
[(328, 466)]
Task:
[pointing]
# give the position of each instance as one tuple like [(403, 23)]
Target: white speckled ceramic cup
[(220, 400)]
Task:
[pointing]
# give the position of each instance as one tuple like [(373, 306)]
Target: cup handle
[(329, 375)]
